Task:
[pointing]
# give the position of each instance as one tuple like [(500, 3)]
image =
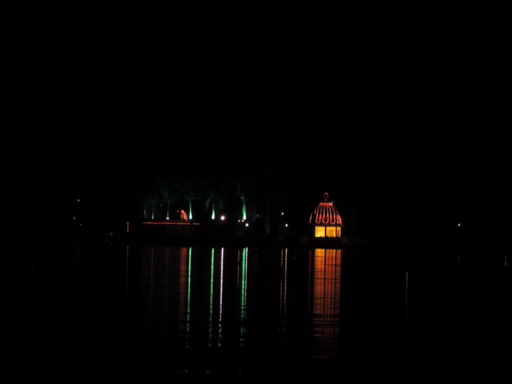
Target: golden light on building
[(326, 219)]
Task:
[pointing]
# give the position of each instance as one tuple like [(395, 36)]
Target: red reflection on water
[(183, 291)]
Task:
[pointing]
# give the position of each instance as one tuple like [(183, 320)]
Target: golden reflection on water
[(325, 283)]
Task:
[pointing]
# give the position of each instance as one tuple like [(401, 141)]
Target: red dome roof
[(326, 213)]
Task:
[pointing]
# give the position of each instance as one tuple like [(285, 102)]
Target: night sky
[(398, 109)]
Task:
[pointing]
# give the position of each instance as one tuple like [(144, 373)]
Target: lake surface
[(94, 313)]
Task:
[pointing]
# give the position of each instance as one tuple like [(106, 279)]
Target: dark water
[(94, 313)]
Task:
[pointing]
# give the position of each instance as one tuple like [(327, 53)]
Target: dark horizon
[(402, 111)]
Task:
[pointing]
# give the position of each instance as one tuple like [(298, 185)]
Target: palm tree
[(152, 198), (213, 200), (241, 191), (169, 194), (189, 194)]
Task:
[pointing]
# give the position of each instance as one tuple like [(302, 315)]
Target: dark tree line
[(165, 198)]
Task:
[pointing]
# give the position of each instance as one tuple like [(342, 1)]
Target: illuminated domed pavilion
[(326, 219)]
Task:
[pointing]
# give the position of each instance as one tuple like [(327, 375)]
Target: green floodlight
[(244, 211)]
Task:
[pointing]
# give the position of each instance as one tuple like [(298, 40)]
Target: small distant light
[(74, 218), (282, 213), (458, 224), (167, 218), (222, 217), (246, 224), (286, 225), (77, 200)]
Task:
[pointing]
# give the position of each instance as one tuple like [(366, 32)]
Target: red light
[(327, 213)]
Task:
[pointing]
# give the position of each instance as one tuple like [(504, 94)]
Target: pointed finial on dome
[(326, 197)]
